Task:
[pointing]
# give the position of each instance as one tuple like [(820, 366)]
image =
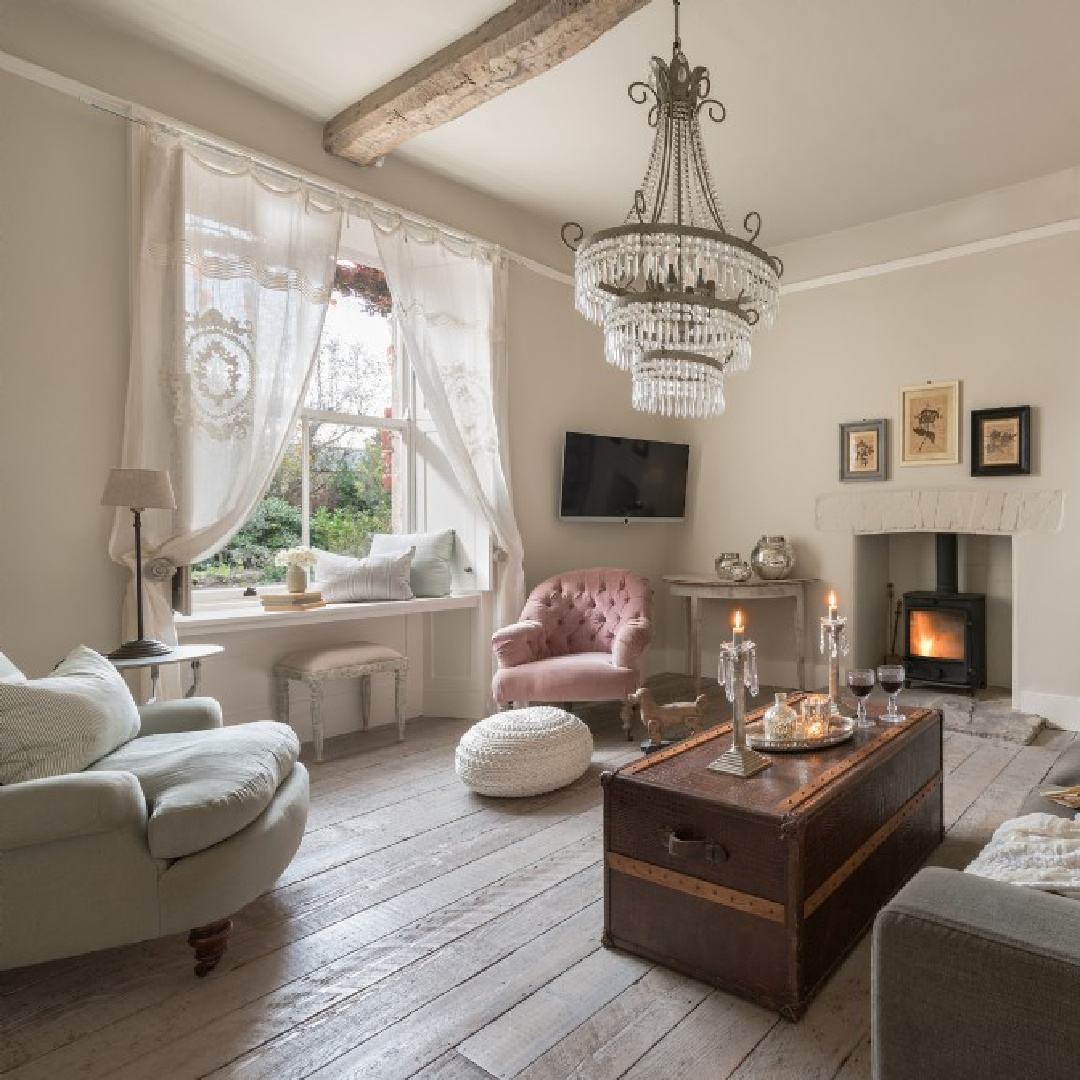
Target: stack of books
[(292, 601)]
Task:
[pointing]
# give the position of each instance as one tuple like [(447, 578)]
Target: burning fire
[(937, 634)]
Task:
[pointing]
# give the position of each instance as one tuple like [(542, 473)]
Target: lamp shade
[(139, 489)]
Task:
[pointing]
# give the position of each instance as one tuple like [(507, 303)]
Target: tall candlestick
[(834, 643), (738, 673)]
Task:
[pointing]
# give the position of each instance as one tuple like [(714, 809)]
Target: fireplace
[(945, 629)]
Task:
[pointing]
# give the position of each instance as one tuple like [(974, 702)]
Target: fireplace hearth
[(945, 629)]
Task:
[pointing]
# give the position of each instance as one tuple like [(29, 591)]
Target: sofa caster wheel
[(209, 943)]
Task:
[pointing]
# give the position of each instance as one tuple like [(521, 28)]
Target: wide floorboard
[(424, 931)]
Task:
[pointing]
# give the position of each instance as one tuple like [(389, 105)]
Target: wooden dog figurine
[(658, 717)]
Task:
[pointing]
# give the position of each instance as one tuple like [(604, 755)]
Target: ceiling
[(838, 111)]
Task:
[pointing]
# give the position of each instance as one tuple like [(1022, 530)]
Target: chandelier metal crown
[(677, 293)]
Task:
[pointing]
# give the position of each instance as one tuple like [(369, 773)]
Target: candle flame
[(738, 623), (832, 599)]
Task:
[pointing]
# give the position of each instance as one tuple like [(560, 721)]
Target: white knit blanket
[(1039, 850)]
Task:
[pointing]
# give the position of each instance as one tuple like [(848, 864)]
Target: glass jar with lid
[(780, 720)]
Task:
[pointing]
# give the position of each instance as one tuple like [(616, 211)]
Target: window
[(346, 472)]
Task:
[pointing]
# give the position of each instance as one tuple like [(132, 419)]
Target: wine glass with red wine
[(861, 681), (891, 677)]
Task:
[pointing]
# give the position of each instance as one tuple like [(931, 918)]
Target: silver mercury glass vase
[(773, 558)]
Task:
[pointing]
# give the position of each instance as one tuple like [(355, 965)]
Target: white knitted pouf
[(524, 752)]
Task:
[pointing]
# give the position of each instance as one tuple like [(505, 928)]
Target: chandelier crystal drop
[(676, 292)]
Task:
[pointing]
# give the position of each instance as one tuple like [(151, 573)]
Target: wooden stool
[(361, 659)]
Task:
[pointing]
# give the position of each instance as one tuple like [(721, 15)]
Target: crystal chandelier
[(676, 293)]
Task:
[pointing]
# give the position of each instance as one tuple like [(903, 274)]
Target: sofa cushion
[(429, 574), (66, 721), (9, 672), (202, 787), (378, 577)]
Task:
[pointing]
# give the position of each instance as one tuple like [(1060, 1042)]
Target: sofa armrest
[(518, 643), (184, 714), (630, 642), (62, 807), (969, 977)]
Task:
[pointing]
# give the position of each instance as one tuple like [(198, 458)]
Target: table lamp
[(139, 490)]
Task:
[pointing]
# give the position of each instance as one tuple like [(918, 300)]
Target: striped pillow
[(66, 721), (378, 577)]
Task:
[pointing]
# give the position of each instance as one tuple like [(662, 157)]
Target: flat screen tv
[(610, 478)]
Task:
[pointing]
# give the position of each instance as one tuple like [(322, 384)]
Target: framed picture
[(864, 450), (930, 424), (1001, 441)]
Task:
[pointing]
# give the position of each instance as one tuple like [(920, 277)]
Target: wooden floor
[(424, 931)]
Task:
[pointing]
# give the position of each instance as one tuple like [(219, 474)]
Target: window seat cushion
[(202, 787)]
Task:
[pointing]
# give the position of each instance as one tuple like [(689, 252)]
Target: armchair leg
[(626, 713), (209, 943)]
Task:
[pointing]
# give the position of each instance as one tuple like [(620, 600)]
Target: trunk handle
[(683, 844)]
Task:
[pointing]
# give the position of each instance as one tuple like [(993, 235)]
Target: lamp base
[(740, 761), (140, 647)]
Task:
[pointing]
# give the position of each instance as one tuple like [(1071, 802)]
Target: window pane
[(354, 372), (354, 472), (248, 558)]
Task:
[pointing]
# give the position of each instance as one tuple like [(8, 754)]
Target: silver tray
[(840, 731)]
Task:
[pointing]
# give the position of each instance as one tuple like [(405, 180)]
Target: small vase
[(723, 564), (296, 579), (780, 720), (773, 558)]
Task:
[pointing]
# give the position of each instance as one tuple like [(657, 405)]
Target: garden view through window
[(343, 475)]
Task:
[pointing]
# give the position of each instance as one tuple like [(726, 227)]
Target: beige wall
[(63, 341), (1005, 322)]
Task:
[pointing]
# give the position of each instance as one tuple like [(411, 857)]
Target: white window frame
[(405, 425)]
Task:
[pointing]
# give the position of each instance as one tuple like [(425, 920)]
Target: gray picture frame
[(864, 450)]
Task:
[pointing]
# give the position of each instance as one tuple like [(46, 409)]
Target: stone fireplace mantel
[(996, 511)]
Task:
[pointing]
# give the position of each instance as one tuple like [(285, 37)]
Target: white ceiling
[(838, 111)]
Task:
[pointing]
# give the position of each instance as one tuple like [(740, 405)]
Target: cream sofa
[(155, 838)]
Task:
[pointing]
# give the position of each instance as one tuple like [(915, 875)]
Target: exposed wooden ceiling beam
[(526, 39)]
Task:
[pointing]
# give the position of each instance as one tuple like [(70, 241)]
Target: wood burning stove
[(944, 629)]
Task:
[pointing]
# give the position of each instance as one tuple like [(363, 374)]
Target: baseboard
[(1062, 710)]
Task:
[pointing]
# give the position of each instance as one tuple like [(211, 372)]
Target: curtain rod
[(138, 114)]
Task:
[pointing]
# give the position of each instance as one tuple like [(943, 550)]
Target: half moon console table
[(698, 587)]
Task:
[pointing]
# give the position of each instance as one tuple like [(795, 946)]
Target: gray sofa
[(977, 978)]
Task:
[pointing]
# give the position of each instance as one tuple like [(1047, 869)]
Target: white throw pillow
[(378, 577), (430, 574), (9, 672), (66, 721)]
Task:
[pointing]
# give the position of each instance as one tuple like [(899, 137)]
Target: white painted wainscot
[(449, 665)]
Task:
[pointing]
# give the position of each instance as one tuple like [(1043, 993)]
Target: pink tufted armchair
[(582, 636)]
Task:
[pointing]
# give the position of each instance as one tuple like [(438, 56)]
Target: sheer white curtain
[(450, 302), (232, 277)]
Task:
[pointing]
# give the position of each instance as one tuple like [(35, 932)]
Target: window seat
[(248, 614)]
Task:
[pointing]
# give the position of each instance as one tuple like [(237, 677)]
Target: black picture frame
[(864, 450), (1001, 441)]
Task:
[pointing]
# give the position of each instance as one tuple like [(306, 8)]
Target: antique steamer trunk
[(762, 885)]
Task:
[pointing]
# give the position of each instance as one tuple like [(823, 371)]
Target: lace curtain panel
[(450, 301), (232, 274)]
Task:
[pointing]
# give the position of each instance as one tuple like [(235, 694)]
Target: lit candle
[(737, 629), (832, 605)]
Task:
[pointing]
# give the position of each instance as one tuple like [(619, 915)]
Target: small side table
[(190, 654)]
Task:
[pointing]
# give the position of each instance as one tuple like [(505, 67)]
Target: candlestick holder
[(738, 673), (834, 644)]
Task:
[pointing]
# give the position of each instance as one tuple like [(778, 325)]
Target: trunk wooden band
[(705, 890), (846, 869), (808, 791)]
